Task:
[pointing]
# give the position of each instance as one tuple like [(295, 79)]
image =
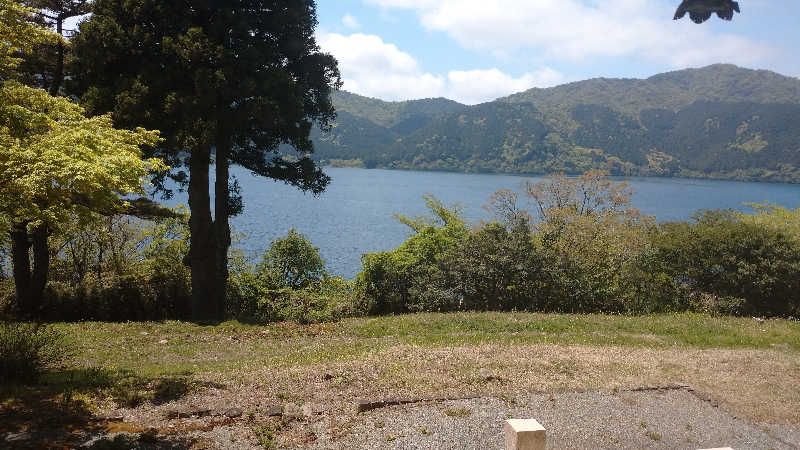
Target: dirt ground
[(586, 397), (669, 418)]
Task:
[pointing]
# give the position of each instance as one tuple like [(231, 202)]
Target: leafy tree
[(242, 78), (296, 262), (54, 162), (497, 269)]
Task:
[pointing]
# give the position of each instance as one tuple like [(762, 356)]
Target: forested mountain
[(720, 121)]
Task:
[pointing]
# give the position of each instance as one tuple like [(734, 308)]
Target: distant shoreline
[(687, 175)]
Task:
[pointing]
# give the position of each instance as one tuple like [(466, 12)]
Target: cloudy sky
[(477, 50)]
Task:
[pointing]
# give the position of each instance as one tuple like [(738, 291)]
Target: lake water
[(354, 215)]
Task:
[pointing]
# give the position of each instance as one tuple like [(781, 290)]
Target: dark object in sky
[(701, 10)]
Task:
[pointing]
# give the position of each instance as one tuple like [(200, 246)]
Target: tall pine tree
[(240, 77)]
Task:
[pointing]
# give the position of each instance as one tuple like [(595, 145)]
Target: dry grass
[(751, 368)]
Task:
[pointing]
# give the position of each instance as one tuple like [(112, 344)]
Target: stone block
[(524, 434)]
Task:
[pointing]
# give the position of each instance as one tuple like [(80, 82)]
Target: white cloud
[(573, 30), (379, 69), (375, 68), (476, 86), (350, 22)]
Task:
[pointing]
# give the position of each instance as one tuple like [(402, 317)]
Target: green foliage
[(28, 349), (774, 217), (18, 35), (56, 162), (390, 278), (290, 283), (723, 256), (119, 268), (494, 269), (293, 260), (589, 252)]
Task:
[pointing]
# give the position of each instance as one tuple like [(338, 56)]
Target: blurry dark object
[(701, 10)]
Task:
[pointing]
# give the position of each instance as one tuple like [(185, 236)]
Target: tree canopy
[(54, 161), (243, 80)]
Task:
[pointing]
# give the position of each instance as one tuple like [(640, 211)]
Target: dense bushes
[(405, 279), (590, 252), (117, 268), (290, 283), (747, 267)]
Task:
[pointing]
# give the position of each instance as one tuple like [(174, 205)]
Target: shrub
[(295, 261), (28, 349), (494, 269), (725, 257), (397, 281), (121, 269), (591, 238), (328, 300), (286, 286)]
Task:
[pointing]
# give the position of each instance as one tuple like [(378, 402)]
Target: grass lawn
[(749, 367)]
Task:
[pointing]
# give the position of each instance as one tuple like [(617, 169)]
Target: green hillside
[(720, 121)]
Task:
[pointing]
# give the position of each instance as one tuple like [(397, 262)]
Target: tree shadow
[(57, 411)]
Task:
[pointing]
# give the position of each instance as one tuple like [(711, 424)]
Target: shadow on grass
[(57, 412), (145, 440)]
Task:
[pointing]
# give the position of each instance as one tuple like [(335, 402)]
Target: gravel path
[(675, 419), (650, 419)]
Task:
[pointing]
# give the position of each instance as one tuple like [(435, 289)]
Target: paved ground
[(675, 419)]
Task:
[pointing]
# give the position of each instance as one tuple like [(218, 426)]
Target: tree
[(44, 67), (54, 161), (241, 77), (295, 260)]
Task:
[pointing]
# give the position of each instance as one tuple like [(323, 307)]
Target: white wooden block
[(524, 434)]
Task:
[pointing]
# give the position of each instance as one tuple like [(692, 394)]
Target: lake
[(354, 215)]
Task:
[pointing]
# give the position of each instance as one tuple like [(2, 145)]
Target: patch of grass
[(231, 345), (266, 435), (457, 412), (654, 436), (405, 353)]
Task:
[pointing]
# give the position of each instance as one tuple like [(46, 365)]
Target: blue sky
[(477, 50)]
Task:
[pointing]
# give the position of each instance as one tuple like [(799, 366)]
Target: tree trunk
[(58, 74), (29, 284), (21, 266), (41, 266), (221, 221), (202, 247)]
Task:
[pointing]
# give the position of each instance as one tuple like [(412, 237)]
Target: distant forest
[(720, 121)]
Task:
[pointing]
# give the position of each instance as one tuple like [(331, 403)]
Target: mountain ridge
[(719, 121)]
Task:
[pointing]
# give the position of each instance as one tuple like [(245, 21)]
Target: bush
[(27, 350), (330, 299), (397, 281), (118, 269), (288, 286), (590, 252), (495, 269), (294, 260), (727, 258)]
